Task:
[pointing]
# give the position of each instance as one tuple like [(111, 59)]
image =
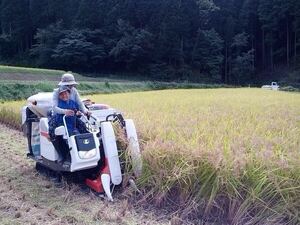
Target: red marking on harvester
[(96, 184), (105, 169), (45, 134)]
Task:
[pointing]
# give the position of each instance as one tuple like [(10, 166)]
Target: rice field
[(228, 156)]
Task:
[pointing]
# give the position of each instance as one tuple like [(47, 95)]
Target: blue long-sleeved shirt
[(74, 95), (70, 120)]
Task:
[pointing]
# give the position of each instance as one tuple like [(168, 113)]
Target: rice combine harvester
[(94, 155)]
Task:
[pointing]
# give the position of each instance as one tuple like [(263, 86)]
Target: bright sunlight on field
[(222, 154)]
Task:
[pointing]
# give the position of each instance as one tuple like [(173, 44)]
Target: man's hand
[(69, 112), (88, 113), (78, 113)]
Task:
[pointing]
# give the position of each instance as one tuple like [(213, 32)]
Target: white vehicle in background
[(274, 86)]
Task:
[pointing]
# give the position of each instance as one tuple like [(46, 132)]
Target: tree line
[(229, 41)]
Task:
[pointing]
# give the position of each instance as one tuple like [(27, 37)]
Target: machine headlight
[(87, 154)]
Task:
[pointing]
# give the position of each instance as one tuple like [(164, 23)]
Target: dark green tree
[(46, 41), (165, 39), (15, 25), (242, 59), (207, 54), (133, 47)]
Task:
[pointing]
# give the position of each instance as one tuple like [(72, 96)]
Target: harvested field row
[(26, 197)]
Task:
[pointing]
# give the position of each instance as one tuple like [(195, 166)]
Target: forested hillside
[(229, 41)]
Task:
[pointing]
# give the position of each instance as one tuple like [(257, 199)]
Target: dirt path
[(26, 197)]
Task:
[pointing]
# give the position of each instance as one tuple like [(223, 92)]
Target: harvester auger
[(94, 155)]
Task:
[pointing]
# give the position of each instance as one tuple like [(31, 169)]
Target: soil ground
[(27, 197)]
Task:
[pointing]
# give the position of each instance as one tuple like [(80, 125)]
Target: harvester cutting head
[(94, 154)]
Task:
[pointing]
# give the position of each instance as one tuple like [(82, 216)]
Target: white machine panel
[(134, 147), (47, 149), (40, 103), (79, 163), (103, 113), (111, 152)]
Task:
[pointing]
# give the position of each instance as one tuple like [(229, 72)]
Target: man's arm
[(78, 101), (55, 107)]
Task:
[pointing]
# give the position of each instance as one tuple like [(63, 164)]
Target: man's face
[(64, 96)]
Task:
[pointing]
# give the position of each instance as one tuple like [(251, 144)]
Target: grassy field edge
[(19, 91)]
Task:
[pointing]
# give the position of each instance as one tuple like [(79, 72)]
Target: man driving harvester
[(68, 80), (66, 102)]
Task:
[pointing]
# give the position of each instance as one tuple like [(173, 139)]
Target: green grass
[(18, 83), (24, 70), (11, 90)]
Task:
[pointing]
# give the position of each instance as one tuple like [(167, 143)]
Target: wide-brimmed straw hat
[(67, 79)]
